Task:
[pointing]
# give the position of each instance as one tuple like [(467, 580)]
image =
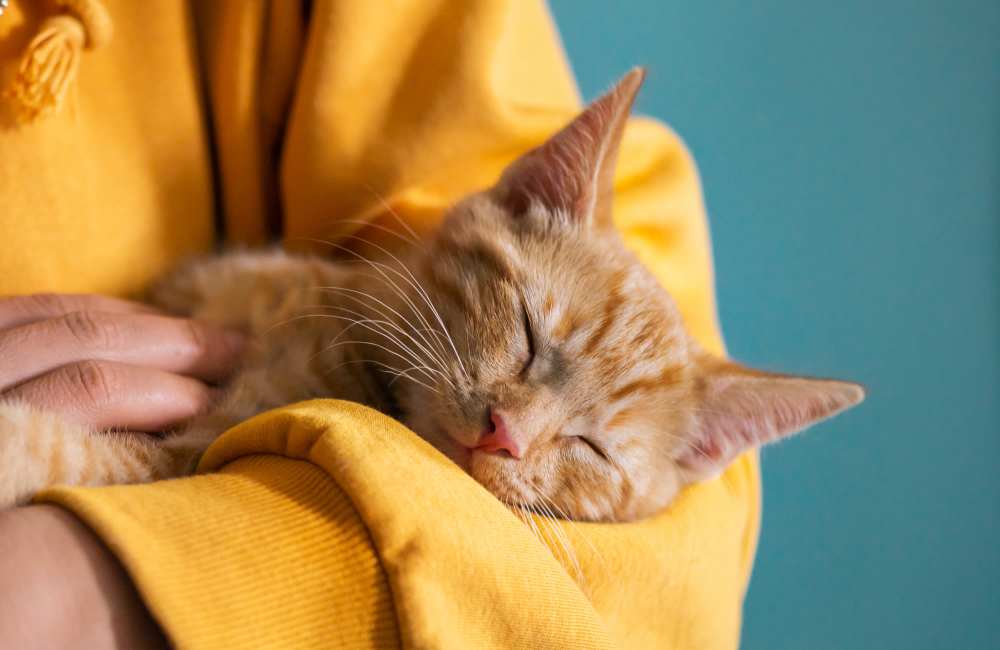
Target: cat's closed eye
[(593, 446), (529, 358)]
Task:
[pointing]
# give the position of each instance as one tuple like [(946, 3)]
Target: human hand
[(104, 362)]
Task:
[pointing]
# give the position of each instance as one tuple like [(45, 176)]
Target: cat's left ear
[(573, 172), (738, 408)]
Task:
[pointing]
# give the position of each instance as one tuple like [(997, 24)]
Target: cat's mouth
[(500, 473), (497, 471), (469, 453)]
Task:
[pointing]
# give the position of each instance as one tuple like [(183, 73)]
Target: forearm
[(60, 587)]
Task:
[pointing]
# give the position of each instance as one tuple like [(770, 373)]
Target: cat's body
[(251, 292), (522, 340)]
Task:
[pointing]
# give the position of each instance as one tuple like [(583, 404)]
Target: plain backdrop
[(850, 158)]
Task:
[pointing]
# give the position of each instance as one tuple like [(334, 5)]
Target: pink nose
[(498, 437)]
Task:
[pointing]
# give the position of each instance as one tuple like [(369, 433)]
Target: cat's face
[(571, 349), (567, 382)]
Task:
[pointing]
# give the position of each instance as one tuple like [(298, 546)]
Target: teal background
[(850, 157)]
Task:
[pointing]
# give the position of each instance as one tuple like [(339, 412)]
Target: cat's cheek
[(654, 495)]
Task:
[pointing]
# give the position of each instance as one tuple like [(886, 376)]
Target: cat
[(522, 340)]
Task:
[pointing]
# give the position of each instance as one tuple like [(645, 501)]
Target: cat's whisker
[(376, 326), (337, 344), (369, 224), (397, 326), (401, 374), (561, 538), (520, 510), (572, 524), (413, 282), (388, 208), (287, 321), (441, 339), (356, 295), (388, 368), (430, 357), (423, 294), (378, 267), (530, 520), (526, 514)]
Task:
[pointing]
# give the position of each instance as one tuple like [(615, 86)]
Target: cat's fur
[(524, 312)]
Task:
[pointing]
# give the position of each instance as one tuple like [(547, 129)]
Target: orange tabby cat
[(524, 341)]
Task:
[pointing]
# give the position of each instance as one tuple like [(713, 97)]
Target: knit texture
[(280, 558)]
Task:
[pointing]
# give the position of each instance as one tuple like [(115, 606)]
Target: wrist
[(60, 587)]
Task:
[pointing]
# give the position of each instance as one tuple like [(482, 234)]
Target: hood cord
[(50, 63)]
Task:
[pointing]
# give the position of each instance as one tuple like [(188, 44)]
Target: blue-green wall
[(850, 155)]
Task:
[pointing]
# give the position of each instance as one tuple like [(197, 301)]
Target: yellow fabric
[(267, 553), (321, 120), (108, 192)]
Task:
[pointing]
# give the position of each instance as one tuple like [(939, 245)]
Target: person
[(125, 130)]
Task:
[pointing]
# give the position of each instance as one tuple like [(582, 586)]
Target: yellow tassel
[(49, 65), (46, 70)]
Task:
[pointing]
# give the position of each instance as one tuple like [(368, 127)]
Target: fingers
[(105, 394), (21, 310), (109, 363), (128, 336)]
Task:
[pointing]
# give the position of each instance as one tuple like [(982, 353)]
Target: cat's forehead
[(555, 246), (553, 259), (576, 279)]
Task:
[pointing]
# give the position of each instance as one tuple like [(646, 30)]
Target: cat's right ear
[(572, 173), (739, 408)]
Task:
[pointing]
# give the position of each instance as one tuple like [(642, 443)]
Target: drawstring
[(49, 65)]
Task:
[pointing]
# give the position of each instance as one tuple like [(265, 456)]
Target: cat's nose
[(498, 437)]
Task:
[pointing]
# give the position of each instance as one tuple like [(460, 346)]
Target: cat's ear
[(738, 408), (573, 172)]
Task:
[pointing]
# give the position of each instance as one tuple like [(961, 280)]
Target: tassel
[(50, 64)]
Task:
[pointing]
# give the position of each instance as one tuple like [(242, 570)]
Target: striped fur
[(39, 449)]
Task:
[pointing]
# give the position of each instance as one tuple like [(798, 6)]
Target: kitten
[(523, 341)]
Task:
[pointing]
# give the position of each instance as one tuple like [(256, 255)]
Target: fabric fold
[(266, 553), (351, 516), (485, 583)]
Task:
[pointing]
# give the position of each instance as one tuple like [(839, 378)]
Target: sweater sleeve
[(268, 552)]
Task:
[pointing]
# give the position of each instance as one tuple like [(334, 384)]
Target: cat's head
[(567, 381)]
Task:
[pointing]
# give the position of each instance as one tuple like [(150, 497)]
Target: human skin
[(61, 588), (104, 363)]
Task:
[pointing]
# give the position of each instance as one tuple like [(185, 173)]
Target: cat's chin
[(440, 439), (499, 473)]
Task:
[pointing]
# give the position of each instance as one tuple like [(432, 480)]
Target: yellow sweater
[(325, 524)]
